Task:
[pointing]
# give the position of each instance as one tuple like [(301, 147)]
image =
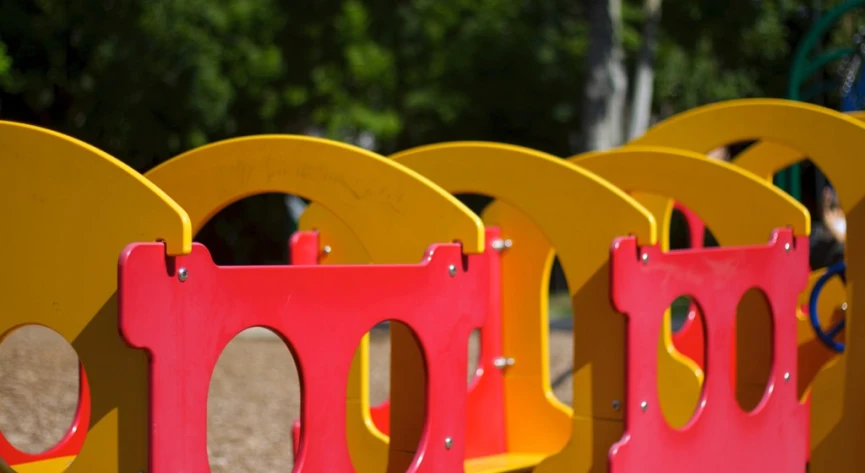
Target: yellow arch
[(674, 173), (385, 204), (70, 210), (767, 158), (500, 171), (392, 212), (831, 140)]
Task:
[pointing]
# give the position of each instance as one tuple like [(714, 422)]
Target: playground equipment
[(404, 249)]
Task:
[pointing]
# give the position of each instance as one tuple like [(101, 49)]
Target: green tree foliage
[(148, 80)]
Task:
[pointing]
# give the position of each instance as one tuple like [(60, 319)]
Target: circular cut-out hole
[(40, 388), (678, 370), (254, 397), (753, 349)]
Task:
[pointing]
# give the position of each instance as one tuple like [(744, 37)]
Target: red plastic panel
[(69, 445), (485, 429), (321, 312), (721, 437), (303, 248)]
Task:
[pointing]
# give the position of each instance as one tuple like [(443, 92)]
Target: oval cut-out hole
[(254, 396), (397, 378), (251, 231), (561, 336), (474, 358), (40, 388), (379, 364), (753, 348), (678, 374)]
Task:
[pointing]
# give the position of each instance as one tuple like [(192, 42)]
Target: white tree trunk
[(607, 83), (641, 103)]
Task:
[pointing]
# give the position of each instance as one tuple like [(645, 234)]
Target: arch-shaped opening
[(761, 207), (251, 231), (679, 411), (754, 347), (254, 394), (40, 390), (475, 202)]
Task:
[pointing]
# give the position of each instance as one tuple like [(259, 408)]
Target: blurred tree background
[(146, 81)]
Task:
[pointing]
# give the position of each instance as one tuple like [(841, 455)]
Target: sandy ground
[(254, 395)]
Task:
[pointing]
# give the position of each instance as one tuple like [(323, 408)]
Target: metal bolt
[(787, 247), (327, 249), (844, 306), (449, 442), (645, 258), (617, 405), (452, 270), (644, 406), (500, 245), (501, 362), (787, 377), (182, 274)]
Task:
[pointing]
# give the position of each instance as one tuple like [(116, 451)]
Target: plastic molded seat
[(505, 462)]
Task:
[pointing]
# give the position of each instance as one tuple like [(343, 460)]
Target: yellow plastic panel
[(766, 157), (831, 140), (535, 420), (501, 171), (74, 208), (385, 204), (45, 466)]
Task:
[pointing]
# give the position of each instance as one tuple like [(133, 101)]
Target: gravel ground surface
[(254, 398)]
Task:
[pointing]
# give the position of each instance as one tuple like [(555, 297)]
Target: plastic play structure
[(757, 380)]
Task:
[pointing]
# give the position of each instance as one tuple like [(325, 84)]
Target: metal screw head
[(449, 442), (501, 245), (327, 249), (645, 258), (787, 377), (787, 247), (617, 405), (452, 270), (502, 362), (844, 306), (644, 406), (182, 274)]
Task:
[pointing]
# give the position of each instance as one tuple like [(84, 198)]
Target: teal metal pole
[(790, 179)]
